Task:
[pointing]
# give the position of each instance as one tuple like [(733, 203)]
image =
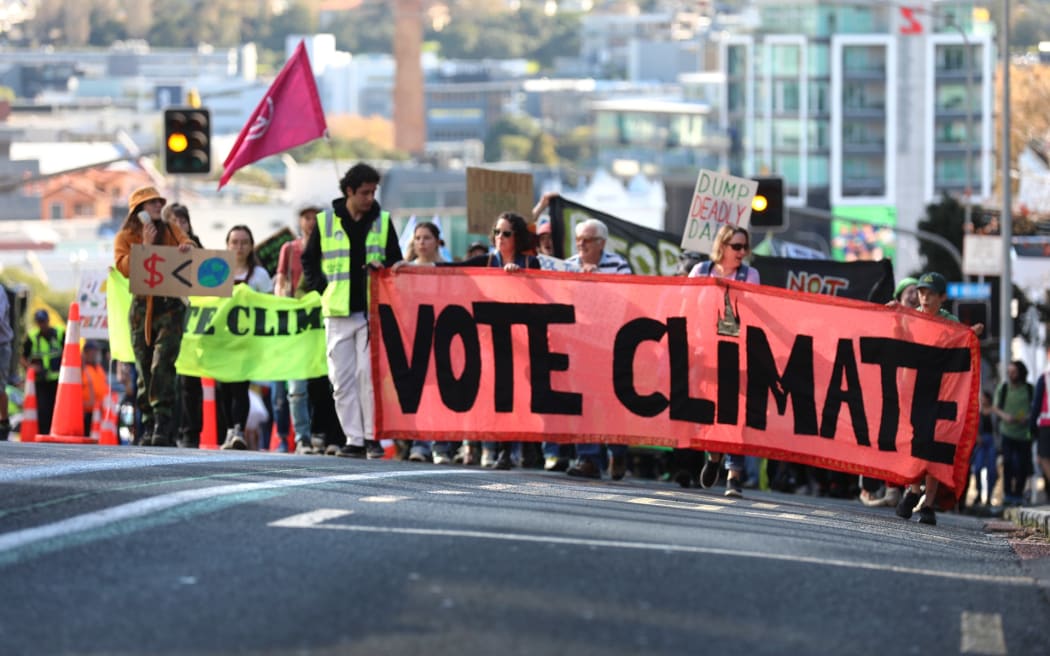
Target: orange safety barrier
[(29, 426), (96, 424), (67, 424), (209, 432), (108, 429)]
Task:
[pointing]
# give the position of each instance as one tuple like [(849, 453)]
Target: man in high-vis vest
[(42, 350), (352, 238), (1040, 425)]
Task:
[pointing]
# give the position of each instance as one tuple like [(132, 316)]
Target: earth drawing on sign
[(213, 272)]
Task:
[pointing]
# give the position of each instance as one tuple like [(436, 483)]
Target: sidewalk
[(1038, 517)]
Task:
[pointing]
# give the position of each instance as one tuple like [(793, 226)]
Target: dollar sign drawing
[(155, 278)]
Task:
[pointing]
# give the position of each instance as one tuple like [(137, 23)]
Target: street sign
[(971, 291), (982, 255)]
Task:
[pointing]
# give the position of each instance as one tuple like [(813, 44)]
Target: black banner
[(655, 252)]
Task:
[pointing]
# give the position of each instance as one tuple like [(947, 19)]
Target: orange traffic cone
[(96, 424), (67, 424), (29, 425), (209, 432), (108, 430), (389, 449), (275, 439)]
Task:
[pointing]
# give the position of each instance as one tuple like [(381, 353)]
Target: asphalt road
[(164, 551)]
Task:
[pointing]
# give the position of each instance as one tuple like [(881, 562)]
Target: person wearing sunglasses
[(732, 245), (512, 241)]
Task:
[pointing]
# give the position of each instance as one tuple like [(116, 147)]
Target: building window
[(56, 210), (83, 209)]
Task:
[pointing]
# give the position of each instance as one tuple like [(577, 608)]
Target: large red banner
[(698, 363)]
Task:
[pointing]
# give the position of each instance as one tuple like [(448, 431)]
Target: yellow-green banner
[(249, 336)]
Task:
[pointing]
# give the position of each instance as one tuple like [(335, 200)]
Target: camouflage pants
[(155, 362)]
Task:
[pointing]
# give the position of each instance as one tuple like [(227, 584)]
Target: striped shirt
[(610, 263)]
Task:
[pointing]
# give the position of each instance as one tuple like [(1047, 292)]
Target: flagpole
[(335, 159)]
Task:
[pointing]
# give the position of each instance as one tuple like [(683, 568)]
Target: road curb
[(1037, 518)]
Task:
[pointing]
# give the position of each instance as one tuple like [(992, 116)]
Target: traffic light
[(767, 208), (187, 140)]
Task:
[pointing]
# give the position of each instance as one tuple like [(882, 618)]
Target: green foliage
[(945, 219), (515, 126), (344, 150), (105, 29), (542, 150), (297, 19), (514, 147), (369, 28), (59, 300), (577, 145), (527, 33)]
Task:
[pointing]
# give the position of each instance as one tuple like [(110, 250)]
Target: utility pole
[(1006, 286)]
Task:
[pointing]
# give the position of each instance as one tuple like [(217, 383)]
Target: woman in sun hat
[(156, 321)]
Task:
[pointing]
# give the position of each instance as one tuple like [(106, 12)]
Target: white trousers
[(350, 370)]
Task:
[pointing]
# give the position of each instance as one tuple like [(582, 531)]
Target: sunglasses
[(507, 234), (738, 247)]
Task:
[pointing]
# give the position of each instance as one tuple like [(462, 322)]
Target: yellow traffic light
[(759, 203), (177, 142)]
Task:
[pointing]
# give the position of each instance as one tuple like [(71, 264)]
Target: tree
[(509, 126), (945, 219)]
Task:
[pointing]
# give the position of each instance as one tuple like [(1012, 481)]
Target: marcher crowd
[(337, 247)]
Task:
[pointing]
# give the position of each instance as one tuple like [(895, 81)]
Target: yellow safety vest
[(48, 352), (335, 259)]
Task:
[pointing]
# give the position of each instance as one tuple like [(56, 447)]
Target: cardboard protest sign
[(91, 299), (269, 250), (699, 363), (164, 271), (718, 200), (490, 193)]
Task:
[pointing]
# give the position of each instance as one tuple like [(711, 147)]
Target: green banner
[(118, 308), (249, 336)]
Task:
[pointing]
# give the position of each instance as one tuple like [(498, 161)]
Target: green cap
[(902, 285)]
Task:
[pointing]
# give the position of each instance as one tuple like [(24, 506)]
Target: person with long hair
[(233, 400), (732, 244), (190, 390), (156, 321), (513, 241)]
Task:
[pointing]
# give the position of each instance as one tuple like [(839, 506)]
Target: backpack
[(741, 272)]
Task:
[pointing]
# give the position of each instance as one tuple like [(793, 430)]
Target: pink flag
[(289, 114)]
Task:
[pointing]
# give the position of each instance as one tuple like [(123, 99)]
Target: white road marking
[(145, 507), (8, 475), (381, 498), (982, 633), (678, 548), (681, 505), (308, 519), (448, 492)]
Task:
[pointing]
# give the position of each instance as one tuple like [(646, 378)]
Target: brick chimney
[(409, 125)]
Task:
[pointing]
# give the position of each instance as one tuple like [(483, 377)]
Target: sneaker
[(319, 442), (584, 468), (502, 460), (442, 458), (5, 429), (617, 467), (683, 478), (871, 499), (927, 516), (464, 455), (907, 505), (709, 474), (733, 488), (234, 440), (350, 451), (419, 454), (304, 449), (161, 439), (374, 450), (488, 458), (555, 464), (892, 497)]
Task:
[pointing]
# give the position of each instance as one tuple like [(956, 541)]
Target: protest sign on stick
[(718, 200)]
